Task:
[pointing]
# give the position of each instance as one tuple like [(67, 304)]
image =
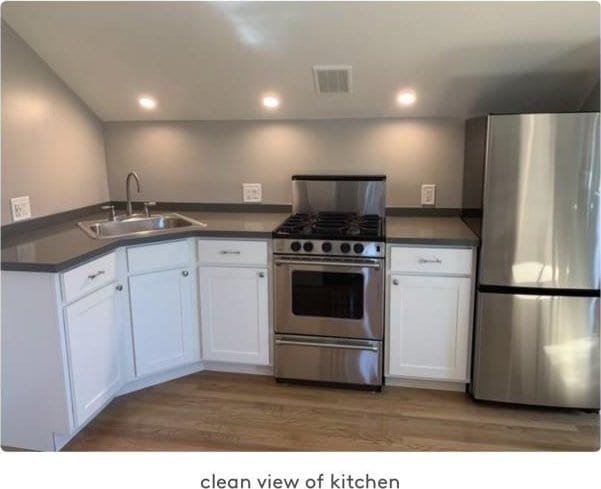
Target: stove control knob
[(295, 246), (358, 248), (308, 246), (327, 247), (345, 247)]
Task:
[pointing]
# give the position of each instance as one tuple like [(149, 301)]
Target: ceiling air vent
[(332, 79)]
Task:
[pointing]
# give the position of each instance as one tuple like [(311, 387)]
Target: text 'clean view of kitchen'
[(300, 226)]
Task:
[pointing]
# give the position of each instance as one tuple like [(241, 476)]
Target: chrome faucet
[(129, 208)]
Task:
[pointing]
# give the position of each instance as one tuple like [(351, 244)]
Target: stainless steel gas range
[(329, 282)]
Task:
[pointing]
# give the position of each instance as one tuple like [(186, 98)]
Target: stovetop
[(332, 225)]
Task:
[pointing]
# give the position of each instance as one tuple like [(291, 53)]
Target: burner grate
[(335, 224)]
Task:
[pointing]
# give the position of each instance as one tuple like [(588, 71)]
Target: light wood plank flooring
[(219, 411)]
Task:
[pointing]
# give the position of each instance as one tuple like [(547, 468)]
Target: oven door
[(329, 297)]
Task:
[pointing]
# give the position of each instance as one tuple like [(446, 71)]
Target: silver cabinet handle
[(185, 273), (229, 252), (261, 274), (119, 287), (94, 275), (395, 282), (425, 260), (327, 345)]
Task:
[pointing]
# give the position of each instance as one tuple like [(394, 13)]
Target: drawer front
[(454, 261), (326, 360), (90, 276), (172, 254), (224, 252)]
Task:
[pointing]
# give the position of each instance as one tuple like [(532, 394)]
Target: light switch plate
[(252, 192), (428, 194), (21, 208)]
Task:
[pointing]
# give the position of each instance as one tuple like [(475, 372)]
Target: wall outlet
[(428, 194), (21, 208), (252, 192)]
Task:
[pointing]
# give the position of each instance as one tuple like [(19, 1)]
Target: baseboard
[(239, 368), (160, 378), (426, 384), (193, 368)]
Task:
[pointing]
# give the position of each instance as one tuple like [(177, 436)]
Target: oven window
[(326, 294)]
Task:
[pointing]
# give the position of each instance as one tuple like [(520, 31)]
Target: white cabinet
[(232, 252), (234, 309), (87, 339), (429, 327), (429, 313), (93, 329), (88, 277), (164, 324)]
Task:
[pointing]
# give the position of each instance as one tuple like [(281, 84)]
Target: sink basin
[(136, 225)]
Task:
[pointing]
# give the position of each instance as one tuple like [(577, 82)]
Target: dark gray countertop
[(61, 246), (429, 230)]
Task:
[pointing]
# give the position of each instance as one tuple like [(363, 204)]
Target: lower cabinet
[(164, 323), (429, 324), (93, 328), (234, 307)]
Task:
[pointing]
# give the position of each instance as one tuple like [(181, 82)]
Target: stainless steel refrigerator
[(531, 192)]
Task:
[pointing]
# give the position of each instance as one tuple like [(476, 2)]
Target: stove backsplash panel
[(360, 194)]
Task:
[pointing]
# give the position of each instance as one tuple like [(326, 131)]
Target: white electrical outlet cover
[(252, 192), (428, 194), (21, 208)]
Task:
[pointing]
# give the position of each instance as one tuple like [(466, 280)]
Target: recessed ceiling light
[(406, 96), (271, 102), (147, 103)]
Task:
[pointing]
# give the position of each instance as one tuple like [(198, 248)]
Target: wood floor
[(219, 411)]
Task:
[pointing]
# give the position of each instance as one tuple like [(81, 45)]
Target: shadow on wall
[(557, 85)]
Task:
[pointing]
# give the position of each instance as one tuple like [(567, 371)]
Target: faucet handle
[(111, 209), (147, 206)]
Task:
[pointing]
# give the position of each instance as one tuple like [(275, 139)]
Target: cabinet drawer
[(431, 260), (90, 276), (232, 252), (153, 257)]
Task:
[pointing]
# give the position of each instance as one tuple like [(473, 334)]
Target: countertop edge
[(117, 243), (110, 245)]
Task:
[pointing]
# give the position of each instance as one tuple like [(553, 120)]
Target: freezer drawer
[(537, 349), (328, 359)]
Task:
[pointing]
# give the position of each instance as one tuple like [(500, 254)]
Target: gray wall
[(52, 144), (208, 161)]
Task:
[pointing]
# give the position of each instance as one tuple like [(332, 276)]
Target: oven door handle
[(369, 264), (327, 345)]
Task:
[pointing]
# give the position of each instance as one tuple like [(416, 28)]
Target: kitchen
[(223, 223)]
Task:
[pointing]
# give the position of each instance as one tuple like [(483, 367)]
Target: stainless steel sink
[(136, 225)]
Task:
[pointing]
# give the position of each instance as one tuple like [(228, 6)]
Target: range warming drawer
[(326, 359)]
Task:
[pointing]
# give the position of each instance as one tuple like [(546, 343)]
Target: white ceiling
[(214, 60)]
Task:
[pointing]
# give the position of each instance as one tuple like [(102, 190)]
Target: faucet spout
[(130, 175)]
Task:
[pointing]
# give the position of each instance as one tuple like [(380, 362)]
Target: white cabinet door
[(165, 330), (429, 327), (93, 333), (234, 309)]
